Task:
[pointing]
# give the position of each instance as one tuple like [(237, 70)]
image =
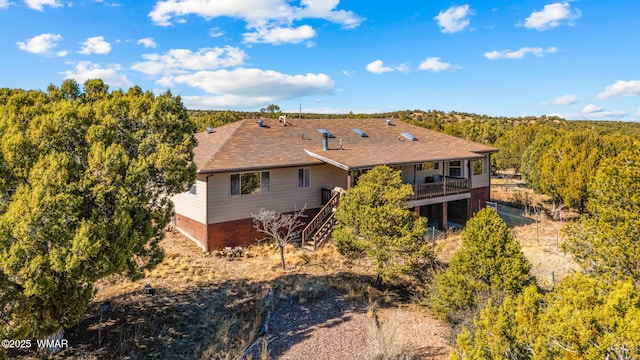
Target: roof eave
[(254, 168)]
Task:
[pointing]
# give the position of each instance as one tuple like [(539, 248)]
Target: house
[(283, 165)]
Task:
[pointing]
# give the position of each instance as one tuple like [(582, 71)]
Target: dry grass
[(538, 234), (210, 307)]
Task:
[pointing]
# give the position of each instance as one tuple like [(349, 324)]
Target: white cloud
[(552, 15), (251, 87), (38, 4), (180, 61), (434, 64), (563, 100), (215, 32), (594, 112), (110, 4), (378, 67), (4, 4), (42, 44), (95, 45), (86, 70), (621, 88), (454, 19), (519, 54), (147, 42), (280, 35), (591, 109), (269, 19)]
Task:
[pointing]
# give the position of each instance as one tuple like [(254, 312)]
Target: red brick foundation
[(228, 233), (196, 230), (233, 233), (478, 200)]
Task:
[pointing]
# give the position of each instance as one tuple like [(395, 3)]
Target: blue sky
[(576, 59)]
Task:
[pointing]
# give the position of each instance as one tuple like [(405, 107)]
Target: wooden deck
[(448, 186)]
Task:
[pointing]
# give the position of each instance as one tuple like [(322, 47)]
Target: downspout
[(206, 213)]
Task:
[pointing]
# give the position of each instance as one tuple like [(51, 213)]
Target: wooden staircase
[(320, 227)]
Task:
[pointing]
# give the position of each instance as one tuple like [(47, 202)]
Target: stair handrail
[(320, 218), (327, 223)]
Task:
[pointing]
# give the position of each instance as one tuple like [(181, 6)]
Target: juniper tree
[(85, 186), (374, 221), (490, 262)]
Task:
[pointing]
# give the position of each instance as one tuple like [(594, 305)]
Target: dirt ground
[(539, 235), (205, 306)]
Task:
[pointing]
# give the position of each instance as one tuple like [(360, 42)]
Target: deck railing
[(448, 186), (320, 218)]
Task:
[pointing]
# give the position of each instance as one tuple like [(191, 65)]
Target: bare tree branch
[(282, 228)]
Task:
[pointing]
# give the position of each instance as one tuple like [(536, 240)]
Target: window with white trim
[(250, 183), (304, 178), (455, 168), (478, 167)]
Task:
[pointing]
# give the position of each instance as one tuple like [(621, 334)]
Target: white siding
[(478, 181), (283, 197), (192, 206)]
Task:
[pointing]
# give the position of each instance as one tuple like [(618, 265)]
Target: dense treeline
[(85, 183), (594, 314)]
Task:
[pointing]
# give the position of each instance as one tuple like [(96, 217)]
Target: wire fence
[(530, 226)]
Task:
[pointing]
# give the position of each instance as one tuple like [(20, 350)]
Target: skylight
[(408, 136), (325, 132), (359, 132)]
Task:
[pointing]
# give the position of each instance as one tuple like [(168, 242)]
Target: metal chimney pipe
[(325, 142)]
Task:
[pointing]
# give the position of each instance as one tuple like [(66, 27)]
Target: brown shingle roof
[(245, 146)]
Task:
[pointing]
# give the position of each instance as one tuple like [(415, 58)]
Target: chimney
[(209, 129), (260, 123), (340, 144), (388, 122), (325, 142)]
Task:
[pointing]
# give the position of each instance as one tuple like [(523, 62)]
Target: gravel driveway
[(331, 328)]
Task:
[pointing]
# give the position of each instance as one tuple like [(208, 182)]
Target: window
[(250, 183), (427, 166), (478, 167), (304, 178), (455, 168)]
